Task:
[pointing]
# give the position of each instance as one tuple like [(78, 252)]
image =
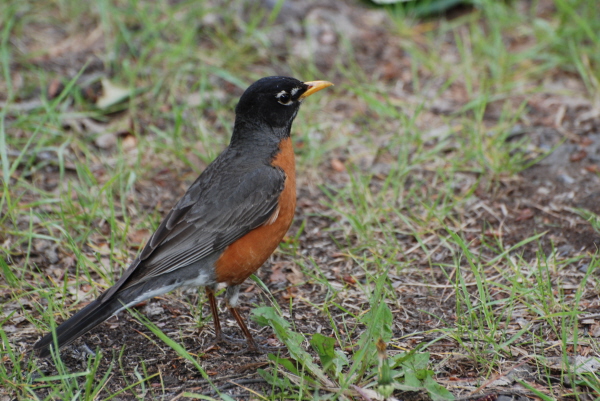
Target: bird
[(226, 225)]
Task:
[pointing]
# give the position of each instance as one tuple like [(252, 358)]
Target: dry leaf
[(586, 141), (277, 275), (525, 214), (337, 165), (291, 293), (129, 142), (55, 88), (111, 94), (578, 364), (138, 237), (295, 277), (102, 248), (578, 156), (593, 168)]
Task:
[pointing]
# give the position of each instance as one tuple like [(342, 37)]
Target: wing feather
[(222, 212)]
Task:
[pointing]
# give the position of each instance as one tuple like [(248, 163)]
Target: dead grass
[(458, 158)]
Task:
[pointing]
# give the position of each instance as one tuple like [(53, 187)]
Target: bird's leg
[(220, 338), (212, 301), (232, 297), (238, 318)]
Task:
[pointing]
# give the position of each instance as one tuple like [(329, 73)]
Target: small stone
[(51, 255), (543, 191), (106, 141), (153, 309), (564, 250), (584, 268), (566, 179)]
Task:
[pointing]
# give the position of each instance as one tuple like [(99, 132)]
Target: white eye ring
[(284, 98)]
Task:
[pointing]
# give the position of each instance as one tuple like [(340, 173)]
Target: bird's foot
[(272, 349), (223, 339), (252, 348)]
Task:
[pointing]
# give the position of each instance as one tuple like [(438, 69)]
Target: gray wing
[(210, 216)]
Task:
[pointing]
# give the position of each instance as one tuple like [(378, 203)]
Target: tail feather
[(79, 324), (111, 301)]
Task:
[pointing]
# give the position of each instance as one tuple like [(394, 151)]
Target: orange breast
[(247, 254)]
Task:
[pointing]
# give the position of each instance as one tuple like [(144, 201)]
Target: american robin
[(226, 225)]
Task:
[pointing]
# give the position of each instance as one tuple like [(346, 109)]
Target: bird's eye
[(284, 98)]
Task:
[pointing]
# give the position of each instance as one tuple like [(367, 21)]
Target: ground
[(448, 197)]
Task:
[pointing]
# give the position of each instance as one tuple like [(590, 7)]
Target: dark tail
[(82, 322)]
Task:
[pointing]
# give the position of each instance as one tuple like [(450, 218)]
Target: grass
[(412, 242)]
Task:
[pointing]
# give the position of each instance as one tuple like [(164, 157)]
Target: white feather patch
[(273, 217)]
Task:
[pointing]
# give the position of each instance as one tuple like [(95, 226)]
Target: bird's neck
[(252, 134)]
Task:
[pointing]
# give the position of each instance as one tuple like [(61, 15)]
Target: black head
[(274, 101)]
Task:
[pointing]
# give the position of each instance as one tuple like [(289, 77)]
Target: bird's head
[(274, 101)]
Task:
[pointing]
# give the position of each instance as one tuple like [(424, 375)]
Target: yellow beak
[(314, 87)]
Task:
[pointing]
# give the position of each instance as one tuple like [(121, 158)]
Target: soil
[(547, 197)]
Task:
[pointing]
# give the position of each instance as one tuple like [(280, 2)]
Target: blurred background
[(448, 195)]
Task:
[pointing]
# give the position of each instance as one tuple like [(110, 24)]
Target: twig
[(592, 316), (231, 384), (23, 106), (493, 379)]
